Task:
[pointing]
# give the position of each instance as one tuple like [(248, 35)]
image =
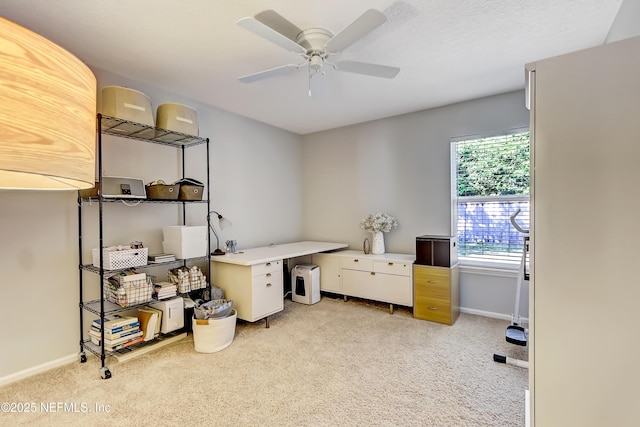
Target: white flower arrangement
[(378, 222)]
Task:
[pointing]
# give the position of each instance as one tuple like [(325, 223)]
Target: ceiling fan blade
[(274, 28), (374, 70), (277, 71), (353, 32)]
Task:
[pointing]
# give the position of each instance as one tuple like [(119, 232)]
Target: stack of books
[(119, 332), (159, 258), (164, 290)]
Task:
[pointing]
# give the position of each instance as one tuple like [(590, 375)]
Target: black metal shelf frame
[(136, 131)]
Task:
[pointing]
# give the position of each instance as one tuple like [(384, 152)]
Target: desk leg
[(390, 308), (345, 298), (266, 321)]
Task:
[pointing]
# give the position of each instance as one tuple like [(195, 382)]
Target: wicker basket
[(162, 192), (191, 192), (128, 290)]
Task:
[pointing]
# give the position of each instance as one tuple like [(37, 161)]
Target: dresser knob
[(433, 308), (390, 263), (268, 274), (268, 285), (355, 260), (373, 273)]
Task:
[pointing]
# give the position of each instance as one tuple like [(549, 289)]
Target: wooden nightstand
[(436, 293)]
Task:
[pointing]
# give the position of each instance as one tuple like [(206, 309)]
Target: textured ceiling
[(448, 50)]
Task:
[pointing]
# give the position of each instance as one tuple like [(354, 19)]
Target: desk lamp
[(222, 223), (47, 114)]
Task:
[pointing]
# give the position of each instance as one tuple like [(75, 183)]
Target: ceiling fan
[(315, 45)]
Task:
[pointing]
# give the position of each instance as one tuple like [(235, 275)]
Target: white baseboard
[(38, 369), (527, 409), (492, 314)]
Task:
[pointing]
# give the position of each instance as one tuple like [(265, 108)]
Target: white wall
[(401, 165), (626, 23)]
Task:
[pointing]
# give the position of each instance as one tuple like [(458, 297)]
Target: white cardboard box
[(185, 241)]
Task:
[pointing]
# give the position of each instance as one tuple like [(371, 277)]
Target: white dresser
[(386, 278)]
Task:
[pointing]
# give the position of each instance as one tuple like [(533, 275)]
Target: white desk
[(252, 278), (253, 256)]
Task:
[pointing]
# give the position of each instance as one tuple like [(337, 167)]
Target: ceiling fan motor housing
[(314, 40)]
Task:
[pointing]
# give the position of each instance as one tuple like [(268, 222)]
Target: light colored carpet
[(334, 363)]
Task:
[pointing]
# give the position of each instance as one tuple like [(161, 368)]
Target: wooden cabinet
[(256, 290), (436, 293), (386, 278)]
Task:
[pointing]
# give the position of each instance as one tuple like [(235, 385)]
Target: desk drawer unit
[(436, 293), (256, 291), (267, 293)]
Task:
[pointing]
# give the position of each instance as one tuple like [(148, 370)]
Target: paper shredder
[(305, 284)]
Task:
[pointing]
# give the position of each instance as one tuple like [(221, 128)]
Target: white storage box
[(117, 260), (172, 314), (127, 104), (211, 335), (177, 118), (185, 241)]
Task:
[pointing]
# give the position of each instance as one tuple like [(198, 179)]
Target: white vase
[(377, 243)]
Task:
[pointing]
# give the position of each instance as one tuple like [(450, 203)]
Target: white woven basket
[(117, 260)]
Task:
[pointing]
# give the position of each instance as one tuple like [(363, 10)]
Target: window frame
[(490, 265)]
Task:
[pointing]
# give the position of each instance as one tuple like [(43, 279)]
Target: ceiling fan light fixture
[(315, 62), (316, 45)]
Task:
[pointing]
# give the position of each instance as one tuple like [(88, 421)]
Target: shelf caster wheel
[(83, 357), (105, 373)]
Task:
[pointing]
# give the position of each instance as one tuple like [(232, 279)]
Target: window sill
[(487, 267)]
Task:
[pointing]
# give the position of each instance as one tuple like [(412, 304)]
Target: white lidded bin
[(185, 241), (212, 335), (177, 118), (128, 104)]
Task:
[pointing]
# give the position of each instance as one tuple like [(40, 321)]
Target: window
[(491, 181)]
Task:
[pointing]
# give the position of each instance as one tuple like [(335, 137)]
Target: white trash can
[(305, 284), (212, 335)]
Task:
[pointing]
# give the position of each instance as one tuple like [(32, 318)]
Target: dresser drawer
[(393, 267), (435, 282), (436, 310), (267, 267), (356, 263), (267, 296)]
